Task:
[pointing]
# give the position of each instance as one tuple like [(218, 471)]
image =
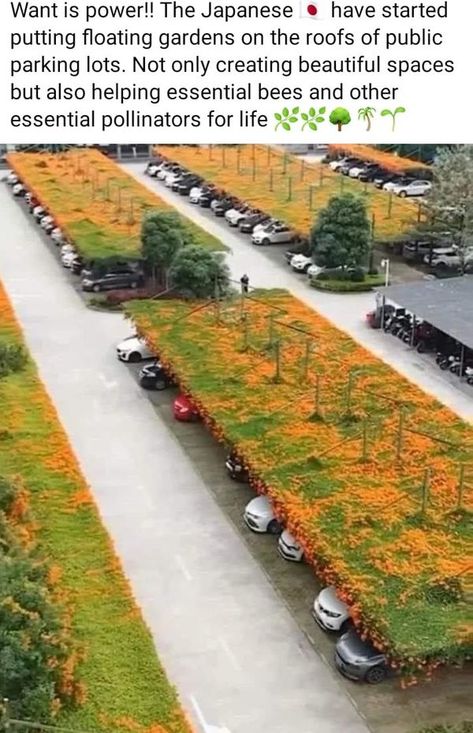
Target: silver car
[(359, 660), (276, 234)]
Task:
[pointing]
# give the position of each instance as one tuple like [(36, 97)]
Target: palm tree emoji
[(366, 114)]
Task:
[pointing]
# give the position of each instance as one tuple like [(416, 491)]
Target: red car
[(184, 409)]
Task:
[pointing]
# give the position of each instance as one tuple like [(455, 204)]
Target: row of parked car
[(263, 228), (355, 658), (120, 275), (367, 172)]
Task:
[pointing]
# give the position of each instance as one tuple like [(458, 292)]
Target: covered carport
[(446, 304)]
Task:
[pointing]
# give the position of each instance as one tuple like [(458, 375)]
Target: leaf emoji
[(312, 126), (385, 112), (312, 112), (295, 110), (293, 118), (320, 119), (277, 116), (286, 125), (285, 112), (304, 116), (322, 110), (398, 109)]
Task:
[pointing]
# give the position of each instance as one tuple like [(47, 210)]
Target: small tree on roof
[(341, 235), (163, 233), (198, 273)]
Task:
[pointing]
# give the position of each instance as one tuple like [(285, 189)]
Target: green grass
[(347, 286), (121, 672)]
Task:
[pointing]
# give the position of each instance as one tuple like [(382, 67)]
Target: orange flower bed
[(389, 161), (96, 204), (120, 675), (288, 188), (361, 465)]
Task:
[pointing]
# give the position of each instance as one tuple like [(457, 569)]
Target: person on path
[(245, 281)]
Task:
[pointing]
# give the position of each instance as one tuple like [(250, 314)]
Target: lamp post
[(385, 266)]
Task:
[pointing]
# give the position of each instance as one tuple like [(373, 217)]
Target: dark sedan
[(153, 376), (111, 281), (359, 660)]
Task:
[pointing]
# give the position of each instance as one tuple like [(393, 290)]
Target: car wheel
[(160, 384), (134, 357), (96, 288), (375, 675), (402, 194), (274, 527), (266, 241)]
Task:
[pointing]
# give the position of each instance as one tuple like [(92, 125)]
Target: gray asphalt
[(228, 642)]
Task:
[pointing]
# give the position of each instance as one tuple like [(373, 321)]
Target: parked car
[(152, 169), (266, 224), (234, 216), (384, 177), (153, 376), (133, 349), (356, 169), (18, 189), (38, 212), (301, 263), (57, 236), (329, 611), (235, 468), (359, 660), (276, 234), (417, 187), (396, 181), (111, 281), (11, 178), (314, 270), (45, 221), (259, 516), (335, 165), (288, 547), (77, 265), (207, 197), (172, 177), (185, 186), (166, 168), (444, 259), (222, 206), (249, 223), (184, 409), (369, 172), (67, 258), (345, 168)]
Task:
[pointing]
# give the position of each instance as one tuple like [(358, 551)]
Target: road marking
[(206, 727), (183, 568), (230, 654)]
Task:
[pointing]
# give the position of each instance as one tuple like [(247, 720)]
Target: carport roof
[(446, 304)]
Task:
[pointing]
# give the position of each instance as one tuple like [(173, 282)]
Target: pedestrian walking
[(245, 282)]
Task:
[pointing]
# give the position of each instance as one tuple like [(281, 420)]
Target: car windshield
[(360, 648)]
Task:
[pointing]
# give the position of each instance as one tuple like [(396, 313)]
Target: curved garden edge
[(347, 286)]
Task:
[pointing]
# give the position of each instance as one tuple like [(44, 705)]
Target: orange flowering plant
[(388, 161), (289, 188), (98, 206), (112, 672), (360, 464)]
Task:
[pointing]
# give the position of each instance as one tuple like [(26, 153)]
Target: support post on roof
[(317, 396), (425, 490), (413, 334), (269, 151), (400, 433), (461, 486), (390, 204), (462, 361), (238, 155), (271, 186)]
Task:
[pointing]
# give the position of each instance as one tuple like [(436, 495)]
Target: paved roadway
[(226, 639), (266, 268)]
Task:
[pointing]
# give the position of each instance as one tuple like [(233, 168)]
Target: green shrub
[(356, 275), (12, 358), (7, 494)]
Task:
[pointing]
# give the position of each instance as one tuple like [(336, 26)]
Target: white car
[(447, 258), (68, 258), (329, 611), (18, 189), (288, 547), (66, 248), (11, 178), (398, 181), (38, 212), (152, 170), (28, 197), (134, 349), (259, 516), (57, 236), (45, 221), (334, 165), (313, 270), (301, 263), (171, 178), (414, 188), (234, 216), (356, 170), (195, 194), (276, 234), (165, 170), (265, 225)]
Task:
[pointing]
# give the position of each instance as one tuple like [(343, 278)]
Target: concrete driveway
[(266, 268), (226, 639)]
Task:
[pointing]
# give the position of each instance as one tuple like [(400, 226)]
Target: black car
[(369, 173), (182, 179), (111, 281), (184, 186), (153, 376), (249, 223), (207, 197), (236, 469), (384, 177)]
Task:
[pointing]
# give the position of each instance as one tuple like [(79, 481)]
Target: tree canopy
[(197, 272), (341, 235), (163, 233)]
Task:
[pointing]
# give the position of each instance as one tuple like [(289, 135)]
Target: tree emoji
[(366, 114), (397, 111), (339, 117)]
